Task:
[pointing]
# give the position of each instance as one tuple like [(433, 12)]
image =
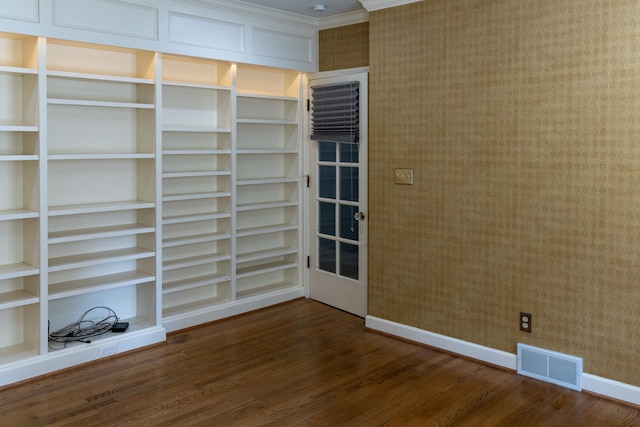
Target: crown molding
[(372, 5), (255, 11), (349, 18)]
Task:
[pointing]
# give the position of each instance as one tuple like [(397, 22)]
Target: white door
[(338, 213)]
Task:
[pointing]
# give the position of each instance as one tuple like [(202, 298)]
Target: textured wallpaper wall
[(521, 119), (344, 47)]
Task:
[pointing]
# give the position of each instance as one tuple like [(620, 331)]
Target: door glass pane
[(327, 187), (349, 153), (349, 260), (327, 255), (327, 218), (349, 184), (348, 224), (326, 151)]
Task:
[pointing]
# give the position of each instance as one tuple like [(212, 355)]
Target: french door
[(338, 213)]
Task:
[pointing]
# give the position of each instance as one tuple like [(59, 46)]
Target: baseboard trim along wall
[(591, 383)]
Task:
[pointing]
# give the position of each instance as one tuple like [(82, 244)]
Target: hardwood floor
[(297, 364)]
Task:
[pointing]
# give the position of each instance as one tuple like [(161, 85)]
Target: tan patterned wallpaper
[(522, 122), (344, 47)]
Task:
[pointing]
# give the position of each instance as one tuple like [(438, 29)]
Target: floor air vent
[(546, 365)]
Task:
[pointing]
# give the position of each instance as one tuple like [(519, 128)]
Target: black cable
[(84, 328)]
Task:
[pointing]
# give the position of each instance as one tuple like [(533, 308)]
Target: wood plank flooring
[(297, 364)]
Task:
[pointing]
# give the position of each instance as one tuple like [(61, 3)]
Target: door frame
[(308, 237)]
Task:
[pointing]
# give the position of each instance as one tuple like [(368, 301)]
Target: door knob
[(359, 216)]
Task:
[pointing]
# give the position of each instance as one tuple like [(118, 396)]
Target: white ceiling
[(305, 7)]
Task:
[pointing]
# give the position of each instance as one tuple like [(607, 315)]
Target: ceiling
[(305, 7)]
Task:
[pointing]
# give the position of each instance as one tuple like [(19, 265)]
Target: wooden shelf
[(12, 271), (181, 219), (94, 284), (14, 214), (195, 129), (101, 156), (264, 289), (195, 174), (254, 231), (168, 265), (98, 77), (99, 232), (17, 298), (245, 207), (245, 272), (89, 259), (18, 128), (195, 196), (108, 104), (264, 254), (195, 85), (264, 181), (194, 152), (22, 71), (267, 122), (99, 207), (193, 239), (18, 157), (194, 282)]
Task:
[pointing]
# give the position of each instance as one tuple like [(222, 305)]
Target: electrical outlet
[(404, 176), (108, 349), (525, 321)]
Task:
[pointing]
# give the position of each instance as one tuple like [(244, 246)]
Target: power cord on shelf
[(84, 328)]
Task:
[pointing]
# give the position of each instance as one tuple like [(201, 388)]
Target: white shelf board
[(99, 207), (193, 306), (96, 258), (195, 196), (271, 267), (99, 232), (193, 152), (263, 181), (21, 269), (5, 69), (18, 352), (266, 205), (266, 121), (194, 282), (195, 85), (263, 254), (197, 238), (18, 157), (265, 289), (93, 284), (175, 264), (181, 219), (14, 214), (110, 104), (101, 156), (18, 128), (195, 174), (98, 77), (17, 298), (274, 151), (242, 94), (195, 129), (254, 231)]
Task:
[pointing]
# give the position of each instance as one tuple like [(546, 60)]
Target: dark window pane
[(349, 184), (326, 151), (348, 224), (327, 182), (349, 153), (349, 261), (327, 255), (327, 218)]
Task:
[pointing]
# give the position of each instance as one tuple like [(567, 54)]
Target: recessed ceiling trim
[(349, 18), (372, 5)]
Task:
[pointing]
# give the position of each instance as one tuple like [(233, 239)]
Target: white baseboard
[(592, 383)]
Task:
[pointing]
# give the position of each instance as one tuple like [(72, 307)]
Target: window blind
[(335, 112)]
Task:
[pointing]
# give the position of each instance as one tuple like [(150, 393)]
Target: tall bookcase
[(20, 192), (197, 183), (268, 180), (164, 187)]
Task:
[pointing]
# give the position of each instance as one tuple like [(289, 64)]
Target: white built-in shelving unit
[(164, 187)]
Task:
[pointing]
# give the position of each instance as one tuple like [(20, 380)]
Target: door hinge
[(308, 262), (308, 177), (308, 105)]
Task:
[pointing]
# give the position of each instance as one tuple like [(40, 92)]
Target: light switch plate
[(404, 176)]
